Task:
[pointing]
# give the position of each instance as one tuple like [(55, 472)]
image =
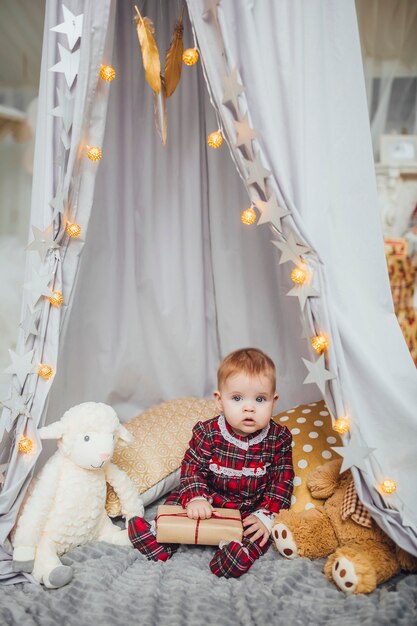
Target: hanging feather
[(150, 53), (160, 112), (173, 59)]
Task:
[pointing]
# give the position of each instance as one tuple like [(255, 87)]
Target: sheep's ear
[(53, 431), (124, 434)]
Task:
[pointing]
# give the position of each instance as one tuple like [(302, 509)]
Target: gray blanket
[(116, 586)]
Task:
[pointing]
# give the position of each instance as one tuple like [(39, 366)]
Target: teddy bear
[(65, 505), (360, 555)]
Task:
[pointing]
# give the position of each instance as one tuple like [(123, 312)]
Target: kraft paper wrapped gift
[(173, 526)]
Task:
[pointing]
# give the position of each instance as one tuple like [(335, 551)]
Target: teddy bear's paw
[(284, 541), (407, 561), (344, 574)]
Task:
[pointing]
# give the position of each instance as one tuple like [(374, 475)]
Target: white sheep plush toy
[(66, 505)]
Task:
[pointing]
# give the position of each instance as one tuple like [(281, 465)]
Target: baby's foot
[(143, 539), (230, 561), (284, 541)]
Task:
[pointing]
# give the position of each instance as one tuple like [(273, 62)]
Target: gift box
[(173, 526)]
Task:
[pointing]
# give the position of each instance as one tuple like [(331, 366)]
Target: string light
[(388, 486), (299, 276), (73, 230), (215, 139), (190, 56), (94, 153), (107, 73), (341, 425), (25, 445), (248, 216), (320, 343), (45, 371), (56, 299)]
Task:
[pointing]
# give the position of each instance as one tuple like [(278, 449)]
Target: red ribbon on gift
[(198, 520)]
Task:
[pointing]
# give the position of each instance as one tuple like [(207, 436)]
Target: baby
[(237, 460)]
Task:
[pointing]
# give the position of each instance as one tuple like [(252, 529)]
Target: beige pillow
[(161, 435), (313, 436)]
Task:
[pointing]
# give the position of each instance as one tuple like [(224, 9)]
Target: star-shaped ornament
[(58, 202), (271, 212), (302, 292), (68, 65), (257, 172), (3, 468), (43, 241), (232, 88), (245, 134), (29, 322), (317, 373), (353, 455), (38, 286), (72, 26), (21, 365), (65, 108), (17, 405), (291, 250)]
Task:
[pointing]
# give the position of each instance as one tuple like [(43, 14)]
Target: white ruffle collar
[(243, 444)]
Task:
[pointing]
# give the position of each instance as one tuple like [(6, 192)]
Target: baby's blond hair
[(250, 361)]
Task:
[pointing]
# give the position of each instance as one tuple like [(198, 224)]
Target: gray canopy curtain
[(71, 116), (170, 280)]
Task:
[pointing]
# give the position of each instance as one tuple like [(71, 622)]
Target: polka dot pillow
[(313, 437)]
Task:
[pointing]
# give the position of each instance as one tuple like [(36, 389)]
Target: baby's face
[(247, 402)]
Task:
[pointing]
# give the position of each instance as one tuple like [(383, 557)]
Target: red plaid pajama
[(218, 467), (143, 539), (234, 560), (246, 473)]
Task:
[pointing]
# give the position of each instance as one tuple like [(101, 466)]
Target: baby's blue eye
[(260, 399), (237, 398)]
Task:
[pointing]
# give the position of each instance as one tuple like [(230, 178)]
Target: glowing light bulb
[(190, 56), (94, 153), (299, 276), (341, 425), (45, 371), (388, 486), (215, 139), (248, 216), (73, 230), (320, 343), (25, 445), (56, 299), (107, 73)]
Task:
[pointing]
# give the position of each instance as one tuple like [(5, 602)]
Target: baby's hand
[(256, 528), (199, 509)]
